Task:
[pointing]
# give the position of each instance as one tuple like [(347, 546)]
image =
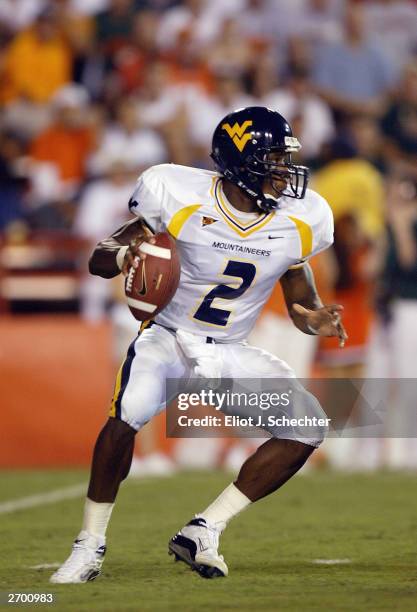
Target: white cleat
[(196, 544), (85, 561)]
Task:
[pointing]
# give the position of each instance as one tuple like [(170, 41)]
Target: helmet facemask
[(261, 168)]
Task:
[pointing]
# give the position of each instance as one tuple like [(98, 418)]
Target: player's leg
[(274, 462), (139, 395), (112, 459), (111, 463), (278, 459)]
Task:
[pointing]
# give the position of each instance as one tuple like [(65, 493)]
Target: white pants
[(275, 333), (155, 355)]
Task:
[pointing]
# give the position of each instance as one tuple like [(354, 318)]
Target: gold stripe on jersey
[(180, 218), (243, 229), (144, 325), (117, 387), (306, 236)]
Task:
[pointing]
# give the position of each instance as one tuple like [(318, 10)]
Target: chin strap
[(261, 202), (265, 206)]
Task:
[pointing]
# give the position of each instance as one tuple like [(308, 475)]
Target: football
[(151, 286)]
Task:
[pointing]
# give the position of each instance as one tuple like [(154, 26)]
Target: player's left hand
[(325, 321)]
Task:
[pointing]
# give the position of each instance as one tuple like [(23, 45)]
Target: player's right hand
[(133, 255)]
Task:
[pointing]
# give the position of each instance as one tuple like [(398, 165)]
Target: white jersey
[(230, 261)]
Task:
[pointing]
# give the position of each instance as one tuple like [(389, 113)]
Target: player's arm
[(118, 252), (306, 308)]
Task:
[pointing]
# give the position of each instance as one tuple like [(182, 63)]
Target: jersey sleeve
[(148, 199), (317, 233), (323, 229)]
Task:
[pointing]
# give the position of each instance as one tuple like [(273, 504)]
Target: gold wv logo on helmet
[(237, 133)]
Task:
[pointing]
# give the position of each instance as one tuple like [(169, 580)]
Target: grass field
[(370, 520)]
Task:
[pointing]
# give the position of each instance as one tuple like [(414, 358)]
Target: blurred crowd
[(94, 91)]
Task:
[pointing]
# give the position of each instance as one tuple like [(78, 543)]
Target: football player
[(238, 231)]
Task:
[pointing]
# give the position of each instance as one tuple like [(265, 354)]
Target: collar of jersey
[(243, 229)]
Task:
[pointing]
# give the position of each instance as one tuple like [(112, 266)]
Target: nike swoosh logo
[(274, 237), (143, 290)]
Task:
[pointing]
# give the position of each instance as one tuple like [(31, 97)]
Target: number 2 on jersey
[(206, 312)]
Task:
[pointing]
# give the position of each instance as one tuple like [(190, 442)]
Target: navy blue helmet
[(244, 144)]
